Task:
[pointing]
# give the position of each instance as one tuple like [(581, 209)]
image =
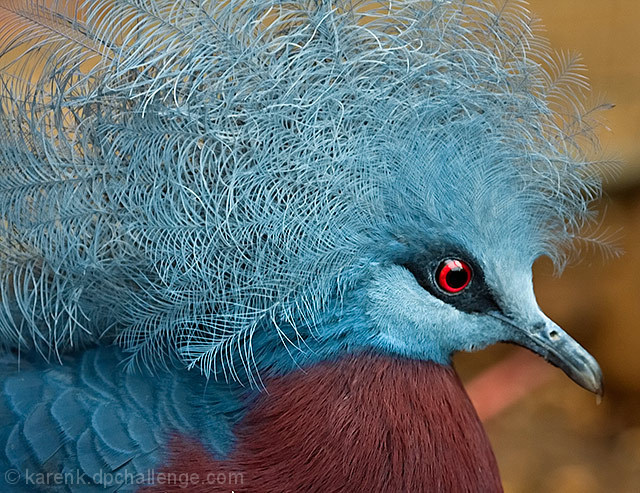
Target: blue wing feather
[(54, 421)]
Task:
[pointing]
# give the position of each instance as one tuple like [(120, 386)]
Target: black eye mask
[(453, 276)]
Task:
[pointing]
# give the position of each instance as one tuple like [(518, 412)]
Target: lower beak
[(556, 346)]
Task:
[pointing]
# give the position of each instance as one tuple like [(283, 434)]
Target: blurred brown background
[(548, 434)]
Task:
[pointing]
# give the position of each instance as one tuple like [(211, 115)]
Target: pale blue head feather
[(196, 180)]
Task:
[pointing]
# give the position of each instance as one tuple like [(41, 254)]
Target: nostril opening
[(553, 335)]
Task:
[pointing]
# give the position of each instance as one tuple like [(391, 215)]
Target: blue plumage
[(248, 187), (90, 420), (177, 175)]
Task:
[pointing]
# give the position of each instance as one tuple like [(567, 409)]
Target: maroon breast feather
[(362, 423)]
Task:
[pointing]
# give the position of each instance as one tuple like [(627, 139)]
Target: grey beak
[(548, 340)]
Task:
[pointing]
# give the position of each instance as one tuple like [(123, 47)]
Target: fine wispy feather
[(177, 176)]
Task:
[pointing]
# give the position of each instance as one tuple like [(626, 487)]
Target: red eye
[(453, 275)]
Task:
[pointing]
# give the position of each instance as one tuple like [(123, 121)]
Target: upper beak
[(548, 340)]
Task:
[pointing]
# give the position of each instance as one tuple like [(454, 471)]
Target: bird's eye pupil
[(453, 275), (457, 278)]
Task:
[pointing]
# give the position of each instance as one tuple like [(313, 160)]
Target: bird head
[(453, 270), (443, 298)]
